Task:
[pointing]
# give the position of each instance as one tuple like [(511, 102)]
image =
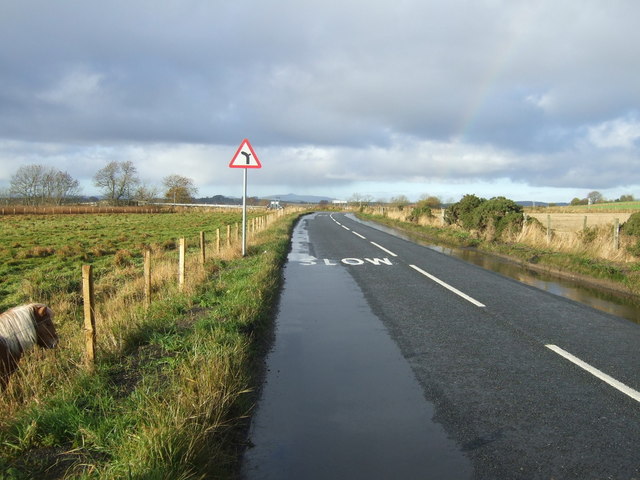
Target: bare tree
[(399, 202), (179, 189), (595, 197), (430, 200), (145, 193), (117, 180), (61, 186), (37, 184), (5, 195), (26, 183), (361, 200)]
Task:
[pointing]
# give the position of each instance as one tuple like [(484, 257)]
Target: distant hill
[(294, 198), (219, 200)]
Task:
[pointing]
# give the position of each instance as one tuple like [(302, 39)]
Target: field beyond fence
[(574, 222)]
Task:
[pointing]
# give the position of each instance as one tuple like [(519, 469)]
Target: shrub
[(492, 216), (500, 212), (588, 235), (632, 226), (462, 213), (634, 249), (421, 209)]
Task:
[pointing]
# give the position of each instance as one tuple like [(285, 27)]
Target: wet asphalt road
[(392, 360)]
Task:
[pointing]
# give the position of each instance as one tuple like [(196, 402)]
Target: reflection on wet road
[(339, 400)]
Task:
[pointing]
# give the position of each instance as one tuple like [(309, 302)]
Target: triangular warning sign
[(245, 157)]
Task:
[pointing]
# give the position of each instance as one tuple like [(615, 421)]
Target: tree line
[(597, 197), (118, 182)]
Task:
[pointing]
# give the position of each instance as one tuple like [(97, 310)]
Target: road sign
[(245, 157)]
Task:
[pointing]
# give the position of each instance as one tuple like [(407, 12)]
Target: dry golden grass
[(403, 215), (596, 242), (573, 222)]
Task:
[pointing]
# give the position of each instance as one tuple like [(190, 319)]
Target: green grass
[(41, 255), (173, 401), (613, 206)]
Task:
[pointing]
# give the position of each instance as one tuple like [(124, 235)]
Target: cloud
[(618, 133), (543, 93)]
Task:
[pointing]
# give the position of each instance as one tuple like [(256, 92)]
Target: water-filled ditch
[(605, 300)]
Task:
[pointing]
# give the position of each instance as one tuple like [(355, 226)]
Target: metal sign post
[(245, 158), (244, 214)]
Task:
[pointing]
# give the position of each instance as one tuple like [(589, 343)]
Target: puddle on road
[(604, 300), (339, 400)]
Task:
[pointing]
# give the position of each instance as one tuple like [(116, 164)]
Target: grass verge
[(173, 400)]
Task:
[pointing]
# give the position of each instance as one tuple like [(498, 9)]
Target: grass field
[(171, 386), (50, 249), (574, 222), (630, 207)]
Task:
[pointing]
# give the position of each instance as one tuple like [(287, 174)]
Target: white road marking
[(378, 261), (356, 233), (449, 287), (597, 373), (384, 249), (346, 228)]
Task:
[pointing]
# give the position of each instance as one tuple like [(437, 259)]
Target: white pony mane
[(18, 329)]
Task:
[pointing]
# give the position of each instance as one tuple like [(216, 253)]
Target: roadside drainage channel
[(604, 300), (339, 400)]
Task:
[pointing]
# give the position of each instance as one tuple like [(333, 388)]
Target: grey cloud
[(538, 92)]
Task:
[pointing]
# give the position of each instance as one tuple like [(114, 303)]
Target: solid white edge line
[(384, 249), (361, 236), (597, 373), (449, 287)]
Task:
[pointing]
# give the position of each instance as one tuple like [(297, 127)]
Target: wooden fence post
[(203, 253), (181, 263), (89, 316), (228, 235), (616, 235), (147, 278), (584, 223), (218, 240), (548, 228)]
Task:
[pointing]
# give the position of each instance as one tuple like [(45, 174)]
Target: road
[(459, 372)]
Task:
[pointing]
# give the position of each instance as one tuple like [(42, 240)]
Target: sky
[(532, 100)]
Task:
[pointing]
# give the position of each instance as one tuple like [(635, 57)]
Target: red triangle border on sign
[(235, 157)]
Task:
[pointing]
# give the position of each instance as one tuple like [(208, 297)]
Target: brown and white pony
[(20, 329)]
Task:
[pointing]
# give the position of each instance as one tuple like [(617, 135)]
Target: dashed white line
[(449, 287), (597, 373), (346, 228), (361, 236), (384, 249)]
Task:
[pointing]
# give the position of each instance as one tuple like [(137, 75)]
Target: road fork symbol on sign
[(245, 157)]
